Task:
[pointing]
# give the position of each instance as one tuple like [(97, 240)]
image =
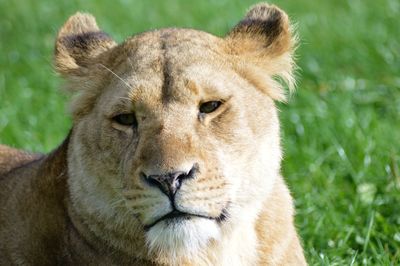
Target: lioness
[(173, 157)]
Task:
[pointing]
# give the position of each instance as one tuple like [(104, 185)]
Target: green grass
[(341, 128)]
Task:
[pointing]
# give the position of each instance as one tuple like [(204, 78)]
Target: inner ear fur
[(79, 43), (264, 43), (81, 47)]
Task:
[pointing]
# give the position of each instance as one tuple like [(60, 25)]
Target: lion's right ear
[(79, 43)]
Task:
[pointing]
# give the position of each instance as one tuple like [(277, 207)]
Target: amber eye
[(126, 119), (209, 107)]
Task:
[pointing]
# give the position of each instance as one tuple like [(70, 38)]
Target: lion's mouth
[(177, 216)]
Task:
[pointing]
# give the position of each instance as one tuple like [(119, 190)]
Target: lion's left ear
[(264, 40), (78, 43)]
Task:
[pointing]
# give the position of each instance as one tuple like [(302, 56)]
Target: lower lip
[(177, 218), (171, 219)]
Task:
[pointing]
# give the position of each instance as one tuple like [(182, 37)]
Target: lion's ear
[(264, 39), (79, 42)]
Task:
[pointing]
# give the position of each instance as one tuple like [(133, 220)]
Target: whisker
[(115, 74), (117, 203), (125, 98)]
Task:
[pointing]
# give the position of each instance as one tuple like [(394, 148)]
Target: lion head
[(175, 140)]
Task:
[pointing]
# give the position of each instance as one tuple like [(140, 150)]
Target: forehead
[(171, 44), (171, 63)]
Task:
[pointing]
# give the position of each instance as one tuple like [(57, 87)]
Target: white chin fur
[(177, 241)]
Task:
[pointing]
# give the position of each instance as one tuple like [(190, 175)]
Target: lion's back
[(11, 158)]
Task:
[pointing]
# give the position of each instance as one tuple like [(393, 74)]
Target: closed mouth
[(176, 215)]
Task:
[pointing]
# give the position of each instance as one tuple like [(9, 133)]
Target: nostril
[(150, 180), (192, 173), (181, 177), (142, 175), (188, 175), (153, 181)]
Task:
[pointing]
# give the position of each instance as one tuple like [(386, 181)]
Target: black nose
[(169, 183)]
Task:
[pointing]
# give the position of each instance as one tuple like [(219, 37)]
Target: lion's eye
[(126, 119), (209, 107)]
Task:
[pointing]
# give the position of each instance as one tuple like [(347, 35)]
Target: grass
[(341, 129)]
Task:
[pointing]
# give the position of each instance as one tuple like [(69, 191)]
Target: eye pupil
[(209, 107), (126, 119)]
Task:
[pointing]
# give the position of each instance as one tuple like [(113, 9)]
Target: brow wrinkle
[(166, 69)]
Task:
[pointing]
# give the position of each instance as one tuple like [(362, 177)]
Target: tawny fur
[(88, 202)]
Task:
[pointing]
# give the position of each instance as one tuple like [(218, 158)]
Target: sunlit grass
[(341, 129)]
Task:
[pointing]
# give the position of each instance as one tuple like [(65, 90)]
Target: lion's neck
[(85, 247), (278, 241)]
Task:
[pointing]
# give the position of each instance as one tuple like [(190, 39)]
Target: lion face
[(176, 138)]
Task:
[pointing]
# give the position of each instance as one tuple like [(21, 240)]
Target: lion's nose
[(169, 183)]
